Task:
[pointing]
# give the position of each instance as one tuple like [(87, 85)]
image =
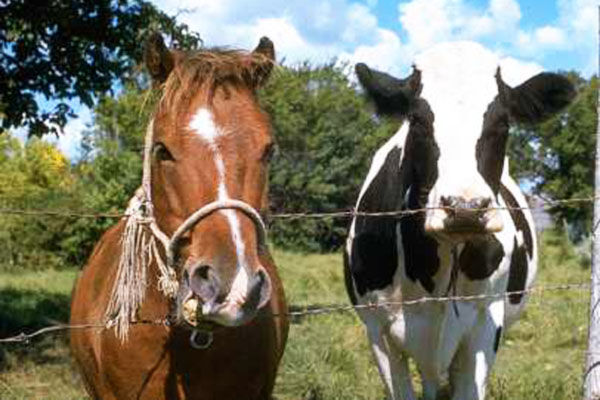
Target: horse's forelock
[(206, 70)]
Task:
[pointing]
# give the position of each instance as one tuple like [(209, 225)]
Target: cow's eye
[(161, 153)]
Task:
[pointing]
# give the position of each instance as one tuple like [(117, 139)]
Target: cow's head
[(456, 137)]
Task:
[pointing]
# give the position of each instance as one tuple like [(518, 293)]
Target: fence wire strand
[(301, 311), (548, 204)]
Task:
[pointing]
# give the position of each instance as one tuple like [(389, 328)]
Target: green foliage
[(558, 155), (33, 176), (326, 137), (112, 167), (68, 50), (105, 183), (122, 120)]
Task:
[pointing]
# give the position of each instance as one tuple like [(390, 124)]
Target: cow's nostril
[(449, 204), (485, 203)]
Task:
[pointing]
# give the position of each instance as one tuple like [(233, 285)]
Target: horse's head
[(211, 143)]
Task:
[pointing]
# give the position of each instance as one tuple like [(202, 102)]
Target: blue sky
[(527, 36)]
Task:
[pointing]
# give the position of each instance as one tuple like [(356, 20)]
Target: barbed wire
[(300, 311), (298, 215)]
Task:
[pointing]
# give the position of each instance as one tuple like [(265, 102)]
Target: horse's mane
[(208, 69)]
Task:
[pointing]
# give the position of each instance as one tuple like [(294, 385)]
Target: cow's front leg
[(392, 364), (473, 362)]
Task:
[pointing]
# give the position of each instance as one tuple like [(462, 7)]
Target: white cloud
[(433, 21), (387, 54), (498, 23), (550, 36), (300, 31), (505, 11)]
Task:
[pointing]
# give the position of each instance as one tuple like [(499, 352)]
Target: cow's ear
[(392, 96), (158, 59), (537, 98)]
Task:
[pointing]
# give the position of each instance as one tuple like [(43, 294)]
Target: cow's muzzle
[(458, 217)]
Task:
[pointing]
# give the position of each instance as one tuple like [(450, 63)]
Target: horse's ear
[(263, 60), (158, 59), (537, 98), (392, 96)]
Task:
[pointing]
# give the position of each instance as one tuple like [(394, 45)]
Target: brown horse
[(191, 249)]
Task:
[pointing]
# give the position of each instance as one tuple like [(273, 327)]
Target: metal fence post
[(591, 379)]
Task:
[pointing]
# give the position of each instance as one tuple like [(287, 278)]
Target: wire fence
[(302, 311), (350, 213)]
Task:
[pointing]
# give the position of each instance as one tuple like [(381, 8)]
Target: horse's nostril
[(202, 272), (203, 281)]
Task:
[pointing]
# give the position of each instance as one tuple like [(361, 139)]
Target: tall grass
[(327, 356)]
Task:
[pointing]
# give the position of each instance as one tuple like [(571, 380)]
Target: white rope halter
[(139, 247)]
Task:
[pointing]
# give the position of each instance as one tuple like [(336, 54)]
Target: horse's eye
[(268, 152), (161, 153)]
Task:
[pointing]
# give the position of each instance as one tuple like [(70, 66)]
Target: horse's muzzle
[(203, 304)]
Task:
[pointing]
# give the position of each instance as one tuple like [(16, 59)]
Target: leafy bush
[(326, 137)]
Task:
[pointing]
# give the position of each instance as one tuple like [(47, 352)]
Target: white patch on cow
[(519, 237), (458, 90), (481, 372), (203, 125)]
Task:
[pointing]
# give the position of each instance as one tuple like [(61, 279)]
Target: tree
[(111, 169), (326, 136), (34, 176), (64, 50), (557, 157)]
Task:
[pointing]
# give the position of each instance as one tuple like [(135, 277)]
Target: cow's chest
[(432, 334), (432, 331)]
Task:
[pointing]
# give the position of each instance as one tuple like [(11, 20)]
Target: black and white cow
[(448, 157)]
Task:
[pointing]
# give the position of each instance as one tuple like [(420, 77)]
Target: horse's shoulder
[(108, 245)]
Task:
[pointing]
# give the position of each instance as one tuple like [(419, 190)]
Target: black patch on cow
[(421, 260), (481, 257), (518, 218), (538, 98), (497, 339), (348, 280), (491, 146), (517, 274), (392, 96), (374, 257)]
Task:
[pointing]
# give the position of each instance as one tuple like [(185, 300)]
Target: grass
[(327, 356)]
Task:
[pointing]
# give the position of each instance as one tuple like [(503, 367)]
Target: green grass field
[(327, 356)]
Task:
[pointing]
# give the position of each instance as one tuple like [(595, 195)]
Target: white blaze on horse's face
[(204, 126), (459, 95)]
